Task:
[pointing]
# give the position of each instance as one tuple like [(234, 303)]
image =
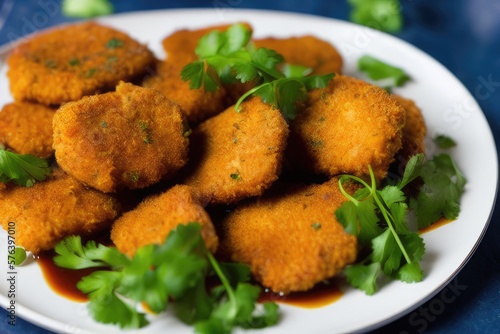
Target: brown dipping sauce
[(63, 282), (441, 222)]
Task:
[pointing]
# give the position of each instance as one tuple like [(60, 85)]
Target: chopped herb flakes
[(114, 43), (235, 176)]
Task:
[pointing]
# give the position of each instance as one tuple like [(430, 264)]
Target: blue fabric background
[(464, 35)]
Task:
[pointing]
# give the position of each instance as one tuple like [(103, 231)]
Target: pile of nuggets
[(136, 152)]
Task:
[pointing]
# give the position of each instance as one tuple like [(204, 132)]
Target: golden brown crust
[(26, 128), (235, 155), (291, 241), (348, 126), (51, 210), (66, 63), (310, 51), (152, 220), (131, 138), (414, 131), (197, 104)]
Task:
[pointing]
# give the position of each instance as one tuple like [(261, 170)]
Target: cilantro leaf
[(228, 57), (72, 254), (23, 169), (383, 15), (175, 270), (87, 9), (378, 70), (444, 142), (443, 186), (363, 277)]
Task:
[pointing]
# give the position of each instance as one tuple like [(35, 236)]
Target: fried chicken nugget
[(152, 220), (131, 138), (235, 155), (347, 127), (26, 128), (198, 105), (291, 240), (414, 131), (53, 209), (310, 51), (69, 62)]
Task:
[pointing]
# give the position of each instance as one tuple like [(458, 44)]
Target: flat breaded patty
[(53, 209), (310, 51), (197, 104), (347, 127), (153, 219), (26, 128), (290, 240), (414, 131), (131, 138), (235, 155), (66, 63)]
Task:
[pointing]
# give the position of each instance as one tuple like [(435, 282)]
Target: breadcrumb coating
[(26, 128), (53, 209), (291, 240), (131, 138), (236, 155), (348, 126), (68, 62), (153, 219)]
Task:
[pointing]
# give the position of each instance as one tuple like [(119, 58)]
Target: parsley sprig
[(175, 270), (379, 70), (23, 169), (380, 219), (227, 57)]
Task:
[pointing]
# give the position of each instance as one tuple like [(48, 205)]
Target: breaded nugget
[(414, 131), (235, 155), (180, 45), (198, 105), (54, 209), (152, 220), (292, 240), (310, 51), (131, 138), (348, 126), (26, 128), (69, 62)]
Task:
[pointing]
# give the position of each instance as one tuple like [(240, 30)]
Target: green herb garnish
[(23, 169), (229, 57), (383, 15), (19, 256), (444, 142), (87, 9), (378, 218), (177, 270), (378, 70), (114, 43)]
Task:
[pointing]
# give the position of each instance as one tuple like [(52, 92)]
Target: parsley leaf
[(227, 57), (175, 270), (23, 169), (383, 15), (378, 70)]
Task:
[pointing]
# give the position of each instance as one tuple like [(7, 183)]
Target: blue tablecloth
[(464, 35)]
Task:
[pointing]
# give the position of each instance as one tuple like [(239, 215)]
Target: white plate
[(448, 109)]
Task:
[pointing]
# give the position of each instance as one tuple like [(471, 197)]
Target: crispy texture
[(131, 138), (414, 131), (180, 45), (155, 217), (26, 128), (235, 155), (69, 62), (310, 51), (348, 126), (292, 240), (54, 209), (198, 105)]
